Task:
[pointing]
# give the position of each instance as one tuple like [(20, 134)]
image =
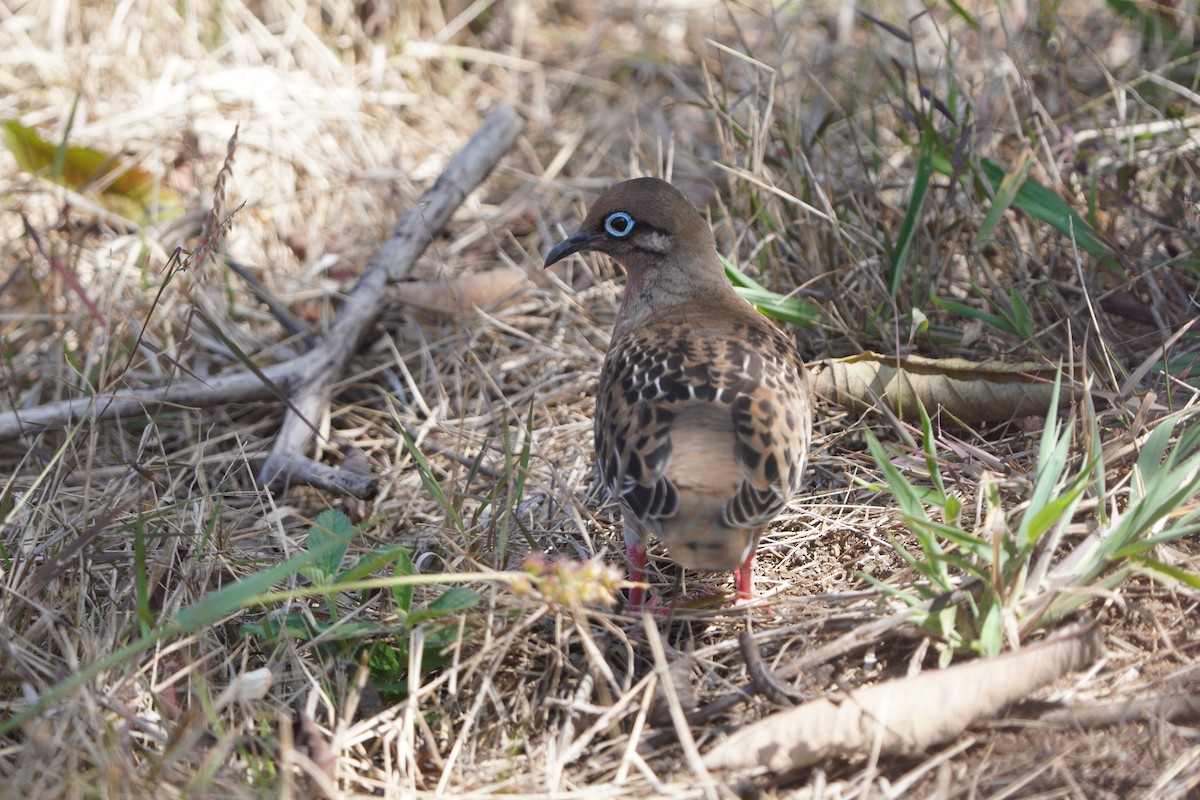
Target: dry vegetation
[(800, 128)]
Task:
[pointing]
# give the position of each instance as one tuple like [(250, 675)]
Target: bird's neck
[(669, 283)]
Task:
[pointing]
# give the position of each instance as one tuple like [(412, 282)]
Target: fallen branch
[(309, 390), (306, 379)]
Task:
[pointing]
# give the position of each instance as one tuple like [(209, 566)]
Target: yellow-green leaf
[(124, 189)]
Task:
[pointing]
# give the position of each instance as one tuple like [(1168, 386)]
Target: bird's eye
[(618, 224)]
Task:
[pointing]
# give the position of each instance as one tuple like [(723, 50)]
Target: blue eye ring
[(618, 224)]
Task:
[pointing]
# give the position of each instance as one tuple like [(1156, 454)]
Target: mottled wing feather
[(773, 422), (652, 372), (633, 422)]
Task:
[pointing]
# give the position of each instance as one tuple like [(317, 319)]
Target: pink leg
[(743, 580), (635, 552)]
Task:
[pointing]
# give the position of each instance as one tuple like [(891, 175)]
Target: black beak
[(581, 240)]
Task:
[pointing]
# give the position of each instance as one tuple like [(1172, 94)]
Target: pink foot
[(743, 584), (743, 581), (636, 555), (638, 602)]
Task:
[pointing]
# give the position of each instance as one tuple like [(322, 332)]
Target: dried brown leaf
[(907, 716), (971, 391), (464, 294)]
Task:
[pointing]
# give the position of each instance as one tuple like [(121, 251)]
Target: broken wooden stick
[(309, 391), (305, 380)]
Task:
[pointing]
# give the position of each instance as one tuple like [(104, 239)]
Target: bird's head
[(642, 224)]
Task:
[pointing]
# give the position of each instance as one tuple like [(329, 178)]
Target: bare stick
[(306, 379), (767, 684)]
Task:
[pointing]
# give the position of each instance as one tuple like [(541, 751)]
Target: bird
[(704, 412)]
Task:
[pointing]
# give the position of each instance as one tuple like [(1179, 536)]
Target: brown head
[(649, 228)]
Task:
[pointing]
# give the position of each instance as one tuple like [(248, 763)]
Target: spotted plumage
[(703, 415)]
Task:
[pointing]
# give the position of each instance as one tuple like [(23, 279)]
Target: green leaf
[(1152, 458), (290, 626), (455, 599), (372, 562), (1052, 460), (904, 492), (784, 308), (1159, 569), (990, 639), (430, 482), (328, 539), (1184, 527), (1022, 318), (1006, 193), (385, 661), (970, 312), (403, 593), (124, 189), (1058, 510), (964, 15), (791, 310), (1037, 201), (238, 595), (929, 447), (912, 214), (441, 637)]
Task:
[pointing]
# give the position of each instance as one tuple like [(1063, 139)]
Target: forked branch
[(304, 383)]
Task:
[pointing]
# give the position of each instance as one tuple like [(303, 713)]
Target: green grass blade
[(916, 200), (430, 482), (1159, 569), (1022, 317), (784, 308), (1037, 201), (403, 592), (452, 601), (970, 312), (1006, 193), (239, 594)]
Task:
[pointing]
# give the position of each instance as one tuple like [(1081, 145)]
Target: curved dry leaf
[(124, 189), (906, 716), (464, 294), (971, 391)]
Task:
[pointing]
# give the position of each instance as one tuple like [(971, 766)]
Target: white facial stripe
[(655, 242)]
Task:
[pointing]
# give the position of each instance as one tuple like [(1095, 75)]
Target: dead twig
[(1184, 707), (278, 310), (306, 379), (765, 681), (846, 643), (310, 390)]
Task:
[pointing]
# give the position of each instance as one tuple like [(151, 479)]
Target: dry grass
[(348, 111)]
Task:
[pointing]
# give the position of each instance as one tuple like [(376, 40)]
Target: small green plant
[(388, 660), (496, 511), (1011, 314), (785, 308), (1017, 571), (386, 649)]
